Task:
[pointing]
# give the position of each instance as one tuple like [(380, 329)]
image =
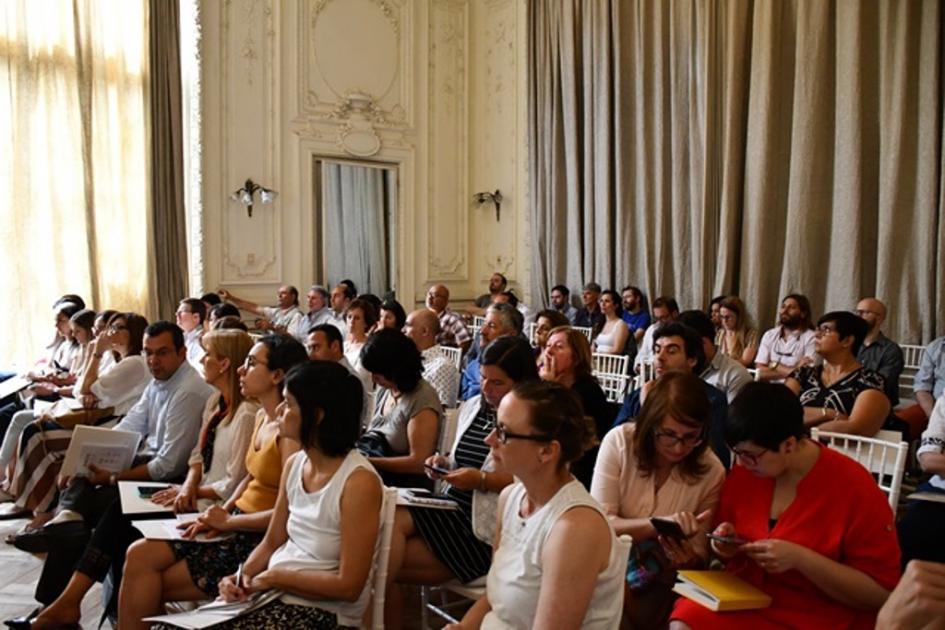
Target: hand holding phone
[(668, 527), (439, 470), (728, 540)]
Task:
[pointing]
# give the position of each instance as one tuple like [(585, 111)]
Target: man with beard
[(879, 353), (635, 312), (665, 310), (790, 344), (561, 302)]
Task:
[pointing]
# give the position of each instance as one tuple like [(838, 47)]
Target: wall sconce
[(245, 194), (493, 197)]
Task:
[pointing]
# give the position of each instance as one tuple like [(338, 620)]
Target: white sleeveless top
[(514, 579), (314, 530)]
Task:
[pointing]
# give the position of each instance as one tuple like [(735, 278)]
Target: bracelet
[(482, 480), (823, 413), (112, 479)]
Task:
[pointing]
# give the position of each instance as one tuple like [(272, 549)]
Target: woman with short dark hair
[(360, 317), (392, 315), (840, 395), (821, 537), (407, 410)]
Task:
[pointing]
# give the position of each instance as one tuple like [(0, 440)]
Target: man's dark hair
[(557, 318), (765, 414), (807, 322), (295, 294), (692, 343), (224, 309), (847, 325), (351, 291), (196, 306), (641, 297), (329, 388), (561, 289), (510, 295), (394, 356), (667, 302), (211, 299), (164, 326), (331, 333), (699, 322)]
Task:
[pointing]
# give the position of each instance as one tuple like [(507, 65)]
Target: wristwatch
[(113, 479), (774, 365)]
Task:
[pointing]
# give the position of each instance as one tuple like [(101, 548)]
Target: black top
[(841, 396), (596, 406)]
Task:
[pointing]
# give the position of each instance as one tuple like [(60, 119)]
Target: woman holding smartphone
[(660, 466)]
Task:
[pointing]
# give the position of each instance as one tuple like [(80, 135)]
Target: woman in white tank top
[(320, 545), (557, 562)]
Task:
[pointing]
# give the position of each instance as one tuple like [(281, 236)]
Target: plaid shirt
[(453, 331)]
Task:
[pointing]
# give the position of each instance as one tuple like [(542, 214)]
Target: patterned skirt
[(210, 562), (277, 615)]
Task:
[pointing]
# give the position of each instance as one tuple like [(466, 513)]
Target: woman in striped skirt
[(432, 546)]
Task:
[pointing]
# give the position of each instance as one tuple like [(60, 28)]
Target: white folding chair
[(530, 333), (455, 355), (912, 359), (374, 616), (611, 373), (886, 460), (754, 373), (585, 330), (448, 430)]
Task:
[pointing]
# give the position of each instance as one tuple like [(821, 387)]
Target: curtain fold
[(168, 269), (72, 114), (754, 148)]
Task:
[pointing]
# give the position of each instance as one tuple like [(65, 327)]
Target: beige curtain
[(169, 259), (759, 148), (72, 115)]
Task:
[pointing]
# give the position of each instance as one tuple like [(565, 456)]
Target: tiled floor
[(19, 572)]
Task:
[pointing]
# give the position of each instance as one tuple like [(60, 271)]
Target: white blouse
[(121, 384)]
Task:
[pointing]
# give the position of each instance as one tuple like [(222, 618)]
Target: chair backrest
[(912, 359), (585, 330), (529, 332), (455, 355), (611, 372), (754, 373), (610, 363), (448, 429), (884, 459), (374, 617)]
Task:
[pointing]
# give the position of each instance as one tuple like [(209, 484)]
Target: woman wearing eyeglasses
[(434, 546), (557, 562), (840, 395), (821, 538), (660, 466)]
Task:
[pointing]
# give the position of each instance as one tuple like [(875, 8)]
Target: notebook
[(720, 591)]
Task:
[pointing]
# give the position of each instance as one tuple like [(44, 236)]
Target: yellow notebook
[(720, 591)]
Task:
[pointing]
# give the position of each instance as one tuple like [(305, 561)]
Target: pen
[(239, 576)]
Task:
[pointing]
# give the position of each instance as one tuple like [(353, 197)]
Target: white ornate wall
[(435, 88)]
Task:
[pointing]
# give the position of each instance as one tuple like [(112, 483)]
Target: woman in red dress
[(822, 536)]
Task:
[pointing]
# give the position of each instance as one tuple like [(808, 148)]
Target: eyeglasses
[(726, 318), (117, 327), (252, 362), (864, 312), (504, 436), (670, 440), (824, 329), (749, 458)]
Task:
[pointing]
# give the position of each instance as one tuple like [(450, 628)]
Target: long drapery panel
[(757, 148)]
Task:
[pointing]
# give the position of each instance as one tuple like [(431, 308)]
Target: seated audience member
[(320, 544), (561, 302), (546, 321), (721, 371), (229, 323), (665, 311), (840, 395), (190, 317), (407, 412), (435, 546), (929, 385), (441, 372), (318, 312), (376, 302), (281, 318), (679, 347), (612, 334), (112, 382), (219, 311), (216, 468), (392, 315), (918, 601), (920, 530), (557, 563), (878, 353), (339, 299), (189, 570), (498, 283), (821, 572), (452, 329), (101, 322), (211, 299), (164, 418), (660, 466), (324, 343), (509, 297), (737, 337), (567, 361), (790, 344), (501, 319), (589, 315), (635, 312), (715, 312), (359, 319)]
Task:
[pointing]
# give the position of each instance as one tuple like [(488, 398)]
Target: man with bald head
[(452, 329), (422, 327), (879, 353)]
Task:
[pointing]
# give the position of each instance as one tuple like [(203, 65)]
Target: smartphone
[(437, 469), (728, 540), (420, 493), (146, 492), (667, 527)]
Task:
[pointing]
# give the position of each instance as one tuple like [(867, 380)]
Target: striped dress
[(448, 533)]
